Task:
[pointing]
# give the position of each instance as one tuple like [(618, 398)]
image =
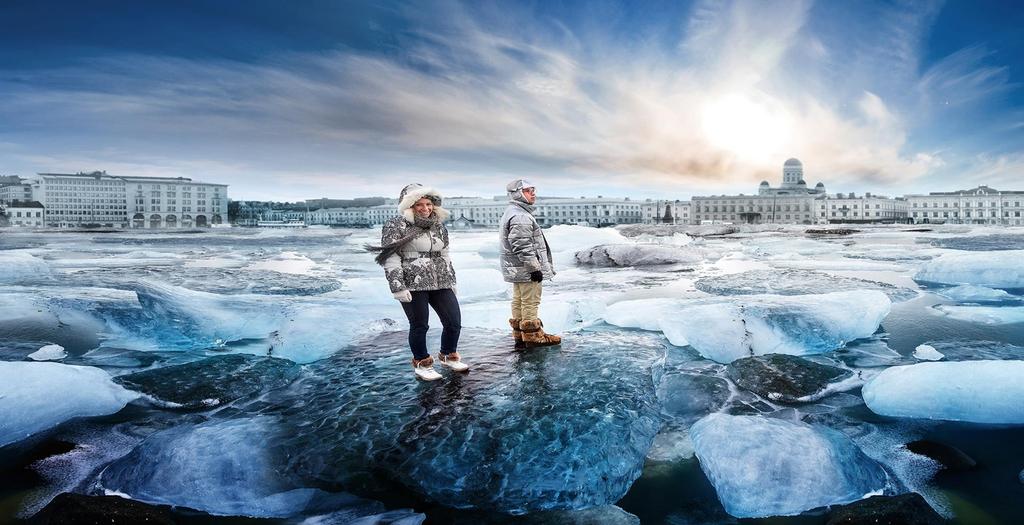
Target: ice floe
[(971, 391), (771, 467), (994, 269), (38, 396)]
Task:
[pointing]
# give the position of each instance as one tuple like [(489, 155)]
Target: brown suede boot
[(534, 336), (517, 334)]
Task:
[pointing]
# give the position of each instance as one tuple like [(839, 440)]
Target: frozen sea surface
[(266, 373)]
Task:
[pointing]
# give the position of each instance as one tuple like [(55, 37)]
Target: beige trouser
[(525, 300)]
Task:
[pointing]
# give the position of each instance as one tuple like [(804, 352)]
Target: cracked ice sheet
[(758, 324), (994, 269)]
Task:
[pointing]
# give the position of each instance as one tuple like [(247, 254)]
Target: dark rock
[(948, 456), (905, 509), (610, 255), (784, 378), (830, 231), (211, 382), (106, 510)]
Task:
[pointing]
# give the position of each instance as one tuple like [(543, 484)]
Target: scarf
[(419, 226)]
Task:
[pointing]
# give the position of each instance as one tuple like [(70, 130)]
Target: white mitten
[(404, 296)]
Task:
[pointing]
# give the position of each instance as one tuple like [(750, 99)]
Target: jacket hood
[(414, 192), (514, 190)]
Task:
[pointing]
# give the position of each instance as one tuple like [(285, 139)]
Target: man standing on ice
[(525, 262)]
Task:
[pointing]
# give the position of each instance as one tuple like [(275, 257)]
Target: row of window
[(946, 214), (978, 204)]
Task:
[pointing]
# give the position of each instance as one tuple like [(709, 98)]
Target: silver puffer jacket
[(423, 263), (523, 246)]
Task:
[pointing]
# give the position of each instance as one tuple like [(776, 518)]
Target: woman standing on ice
[(414, 254)]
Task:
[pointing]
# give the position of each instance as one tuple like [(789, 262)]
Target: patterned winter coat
[(523, 246), (423, 263)]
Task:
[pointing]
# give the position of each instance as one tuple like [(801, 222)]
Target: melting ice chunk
[(38, 396), (770, 467), (927, 353), (969, 293), (760, 324), (639, 255), (992, 315), (995, 269), (221, 467), (972, 391), (48, 353)]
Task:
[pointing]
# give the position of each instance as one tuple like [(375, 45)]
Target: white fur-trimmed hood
[(415, 194)]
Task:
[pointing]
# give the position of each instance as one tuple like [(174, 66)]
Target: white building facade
[(665, 212), (99, 199), (25, 214), (868, 208), (599, 211), (980, 205), (791, 203)]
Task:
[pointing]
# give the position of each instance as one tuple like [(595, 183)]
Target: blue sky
[(292, 100)]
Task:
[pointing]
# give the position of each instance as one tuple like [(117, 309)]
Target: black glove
[(537, 276)]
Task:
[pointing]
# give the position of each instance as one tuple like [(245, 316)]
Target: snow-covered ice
[(970, 293), (770, 467), (927, 353), (994, 269), (990, 315), (38, 396), (49, 353), (972, 391)]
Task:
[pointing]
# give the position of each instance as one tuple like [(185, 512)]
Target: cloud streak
[(481, 97)]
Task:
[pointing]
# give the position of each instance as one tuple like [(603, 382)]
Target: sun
[(751, 130)]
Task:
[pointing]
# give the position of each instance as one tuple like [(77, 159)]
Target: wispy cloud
[(474, 96)]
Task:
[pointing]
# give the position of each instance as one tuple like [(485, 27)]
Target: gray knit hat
[(518, 185)]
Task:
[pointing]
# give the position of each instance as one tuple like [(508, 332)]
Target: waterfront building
[(340, 217), (980, 205), (868, 208), (99, 199), (791, 203), (595, 211), (666, 212), (14, 189), (25, 214)]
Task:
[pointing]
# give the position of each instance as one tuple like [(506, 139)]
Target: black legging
[(446, 305)]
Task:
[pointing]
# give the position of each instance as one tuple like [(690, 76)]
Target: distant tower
[(764, 188), (792, 172)]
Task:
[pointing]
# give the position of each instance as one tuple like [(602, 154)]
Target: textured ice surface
[(301, 329), (230, 467), (565, 241), (973, 391), (784, 281), (927, 353), (211, 382), (17, 266), (38, 396), (784, 378), (992, 315), (687, 397), (560, 428), (48, 353), (994, 269), (760, 324), (611, 255), (770, 467), (969, 293)]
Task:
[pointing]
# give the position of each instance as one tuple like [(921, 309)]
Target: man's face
[(530, 194)]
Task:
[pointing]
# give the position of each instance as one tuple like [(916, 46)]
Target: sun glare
[(750, 130)]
